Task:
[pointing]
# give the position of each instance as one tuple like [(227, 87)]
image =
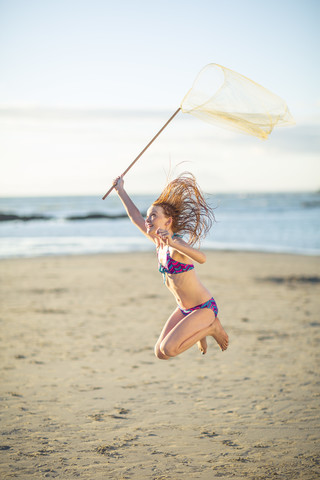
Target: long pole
[(141, 153)]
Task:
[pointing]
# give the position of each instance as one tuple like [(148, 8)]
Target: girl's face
[(156, 219)]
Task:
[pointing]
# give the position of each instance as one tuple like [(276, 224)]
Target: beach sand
[(83, 396)]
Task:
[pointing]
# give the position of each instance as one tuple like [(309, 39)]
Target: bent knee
[(168, 350), (158, 353)]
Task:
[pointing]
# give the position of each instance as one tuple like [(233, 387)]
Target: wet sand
[(82, 395)]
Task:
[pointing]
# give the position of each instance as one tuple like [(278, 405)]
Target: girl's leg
[(202, 345), (172, 321), (192, 328)]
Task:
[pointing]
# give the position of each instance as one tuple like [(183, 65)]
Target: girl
[(180, 209)]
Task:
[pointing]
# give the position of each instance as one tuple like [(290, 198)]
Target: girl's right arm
[(131, 209)]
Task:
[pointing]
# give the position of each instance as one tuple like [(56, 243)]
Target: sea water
[(277, 222)]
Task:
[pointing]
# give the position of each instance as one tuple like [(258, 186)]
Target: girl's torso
[(181, 279)]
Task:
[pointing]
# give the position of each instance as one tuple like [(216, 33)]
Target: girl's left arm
[(185, 249), (180, 245)]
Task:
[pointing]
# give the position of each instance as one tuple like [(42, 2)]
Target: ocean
[(74, 225)]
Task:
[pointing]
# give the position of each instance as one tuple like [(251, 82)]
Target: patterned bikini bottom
[(209, 304)]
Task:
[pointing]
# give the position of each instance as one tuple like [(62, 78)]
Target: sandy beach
[(83, 396)]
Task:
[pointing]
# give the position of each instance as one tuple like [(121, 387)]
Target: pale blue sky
[(144, 55)]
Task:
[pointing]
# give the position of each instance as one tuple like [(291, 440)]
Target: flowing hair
[(183, 201)]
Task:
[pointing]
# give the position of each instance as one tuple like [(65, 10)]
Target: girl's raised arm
[(133, 212)]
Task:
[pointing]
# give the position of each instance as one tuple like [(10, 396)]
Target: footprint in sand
[(112, 450), (206, 434), (120, 414), (230, 443), (109, 450)]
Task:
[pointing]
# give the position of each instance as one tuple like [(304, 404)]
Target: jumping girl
[(180, 209)]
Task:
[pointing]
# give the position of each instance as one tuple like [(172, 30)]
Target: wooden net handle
[(141, 153)]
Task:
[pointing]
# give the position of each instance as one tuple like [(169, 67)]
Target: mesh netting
[(227, 98)]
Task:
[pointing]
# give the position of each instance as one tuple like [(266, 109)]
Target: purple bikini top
[(172, 266)]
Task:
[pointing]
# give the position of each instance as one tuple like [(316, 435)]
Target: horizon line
[(230, 192)]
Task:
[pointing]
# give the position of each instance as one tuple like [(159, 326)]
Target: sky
[(84, 85)]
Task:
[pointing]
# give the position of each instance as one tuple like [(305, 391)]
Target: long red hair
[(183, 201)]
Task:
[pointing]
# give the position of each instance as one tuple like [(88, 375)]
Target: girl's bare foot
[(202, 345), (219, 334)]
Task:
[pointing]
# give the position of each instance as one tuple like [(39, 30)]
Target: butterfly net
[(222, 96)]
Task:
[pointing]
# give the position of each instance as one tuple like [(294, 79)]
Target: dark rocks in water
[(311, 204), (8, 217), (97, 216)]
